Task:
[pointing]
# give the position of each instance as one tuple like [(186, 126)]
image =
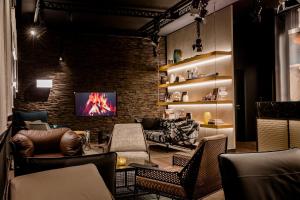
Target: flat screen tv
[(89, 104)]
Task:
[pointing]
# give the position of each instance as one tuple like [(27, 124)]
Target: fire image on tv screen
[(95, 104)]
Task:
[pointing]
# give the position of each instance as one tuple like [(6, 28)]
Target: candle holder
[(121, 161)]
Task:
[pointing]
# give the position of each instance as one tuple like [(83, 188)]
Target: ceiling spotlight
[(32, 32), (60, 58)]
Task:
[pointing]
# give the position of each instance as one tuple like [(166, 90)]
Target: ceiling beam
[(173, 13), (90, 8)]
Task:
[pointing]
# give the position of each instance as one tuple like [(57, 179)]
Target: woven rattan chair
[(198, 178)]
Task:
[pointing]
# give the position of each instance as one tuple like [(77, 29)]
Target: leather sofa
[(51, 143), (267, 176)]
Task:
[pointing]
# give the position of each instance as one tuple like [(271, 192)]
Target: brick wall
[(91, 63)]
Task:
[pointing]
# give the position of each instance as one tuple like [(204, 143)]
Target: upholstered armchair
[(198, 178), (128, 140), (51, 143)]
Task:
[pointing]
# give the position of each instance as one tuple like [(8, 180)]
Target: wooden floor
[(163, 157)]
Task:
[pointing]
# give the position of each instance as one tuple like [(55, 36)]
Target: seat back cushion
[(267, 175), (19, 118), (128, 137), (71, 183)]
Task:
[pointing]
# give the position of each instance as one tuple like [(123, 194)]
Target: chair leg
[(157, 196)]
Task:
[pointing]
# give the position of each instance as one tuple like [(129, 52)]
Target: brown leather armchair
[(51, 143)]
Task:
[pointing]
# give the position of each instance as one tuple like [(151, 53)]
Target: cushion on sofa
[(71, 183), (19, 118), (62, 140), (134, 156), (151, 123)]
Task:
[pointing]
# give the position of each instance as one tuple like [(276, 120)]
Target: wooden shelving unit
[(198, 80), (196, 58), (194, 102), (196, 91), (220, 126)]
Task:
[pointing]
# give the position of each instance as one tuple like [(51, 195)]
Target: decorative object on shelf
[(189, 75), (212, 96), (172, 78), (176, 96), (195, 73), (176, 79), (215, 94), (181, 78), (170, 61), (188, 116), (206, 117), (163, 79), (169, 114), (215, 121), (207, 97), (185, 97), (222, 93), (87, 145), (177, 55), (121, 161)]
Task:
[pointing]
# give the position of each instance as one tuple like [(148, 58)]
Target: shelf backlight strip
[(199, 63), (221, 105), (203, 84)]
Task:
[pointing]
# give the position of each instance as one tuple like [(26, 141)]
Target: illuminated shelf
[(194, 102), (198, 80), (220, 126), (295, 66), (195, 58)]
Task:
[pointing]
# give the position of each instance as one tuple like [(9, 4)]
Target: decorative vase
[(206, 117), (185, 97), (172, 78), (177, 55)]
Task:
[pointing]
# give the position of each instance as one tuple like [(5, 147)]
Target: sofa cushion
[(151, 123), (45, 141), (19, 118), (128, 137), (135, 156), (71, 183)]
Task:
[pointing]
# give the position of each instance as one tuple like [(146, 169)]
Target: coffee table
[(125, 181)]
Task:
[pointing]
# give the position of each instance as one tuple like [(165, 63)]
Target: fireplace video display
[(90, 104)]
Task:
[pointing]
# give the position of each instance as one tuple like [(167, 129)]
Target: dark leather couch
[(263, 176), (105, 163), (52, 143)]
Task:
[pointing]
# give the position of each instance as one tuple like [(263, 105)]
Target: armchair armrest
[(22, 145), (181, 159), (71, 144), (157, 174)]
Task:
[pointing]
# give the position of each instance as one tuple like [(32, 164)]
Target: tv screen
[(90, 104)]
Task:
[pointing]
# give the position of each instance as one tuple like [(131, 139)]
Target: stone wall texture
[(90, 63)]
